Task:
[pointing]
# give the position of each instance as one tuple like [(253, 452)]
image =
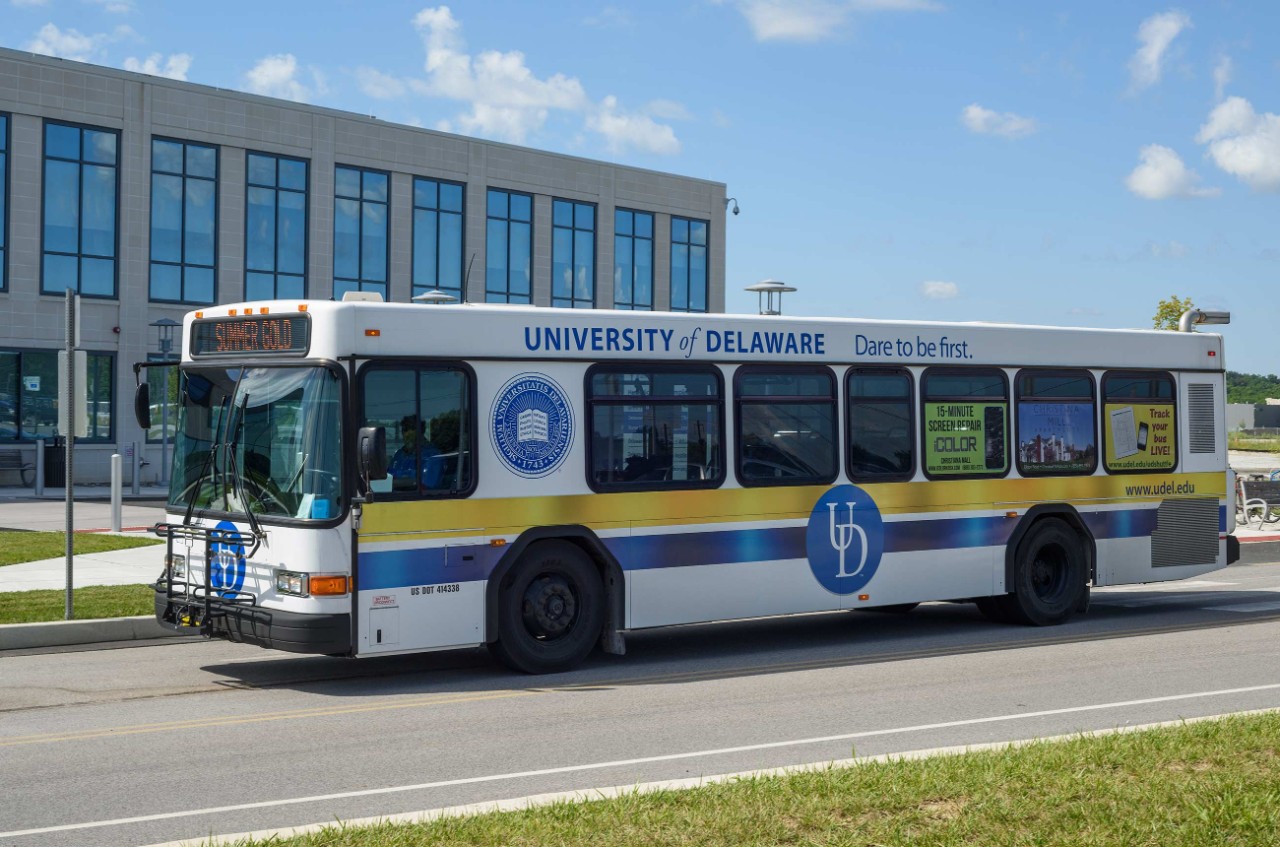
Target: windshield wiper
[(237, 484)]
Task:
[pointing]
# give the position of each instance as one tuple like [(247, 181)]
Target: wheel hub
[(550, 607)]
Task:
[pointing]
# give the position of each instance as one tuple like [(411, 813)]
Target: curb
[(24, 636)]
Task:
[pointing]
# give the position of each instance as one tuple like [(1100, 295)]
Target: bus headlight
[(178, 563), (291, 582)]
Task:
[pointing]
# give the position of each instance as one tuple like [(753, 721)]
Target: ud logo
[(531, 425), (226, 561), (845, 539)]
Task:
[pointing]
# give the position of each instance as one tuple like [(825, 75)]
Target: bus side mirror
[(142, 405), (372, 442)]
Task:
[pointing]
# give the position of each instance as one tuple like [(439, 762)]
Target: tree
[(1169, 312)]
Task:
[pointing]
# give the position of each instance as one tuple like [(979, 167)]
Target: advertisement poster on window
[(1056, 438), (1140, 437), (965, 438)]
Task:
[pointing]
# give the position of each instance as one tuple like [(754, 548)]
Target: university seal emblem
[(532, 425)]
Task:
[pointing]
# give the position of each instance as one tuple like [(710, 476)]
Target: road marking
[(519, 804), (669, 757), (1182, 585)]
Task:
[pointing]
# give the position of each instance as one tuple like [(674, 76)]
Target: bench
[(1259, 502), (12, 460)]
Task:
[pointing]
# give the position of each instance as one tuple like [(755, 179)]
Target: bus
[(362, 478)]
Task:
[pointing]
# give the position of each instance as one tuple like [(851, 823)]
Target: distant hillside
[(1251, 388)]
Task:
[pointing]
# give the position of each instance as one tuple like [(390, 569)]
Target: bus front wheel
[(1050, 576), (550, 609)]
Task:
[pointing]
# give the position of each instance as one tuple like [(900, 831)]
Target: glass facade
[(508, 247), (4, 196), (688, 265), (437, 236), (29, 395), (184, 222), (632, 260), (360, 231), (80, 210), (573, 255), (275, 227)]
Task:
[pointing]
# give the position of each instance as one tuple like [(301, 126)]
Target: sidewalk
[(134, 566)]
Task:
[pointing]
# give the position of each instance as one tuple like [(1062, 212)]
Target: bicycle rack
[(191, 604)]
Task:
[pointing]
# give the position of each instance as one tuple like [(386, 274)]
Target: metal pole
[(117, 490), (136, 485), (68, 406), (39, 467), (164, 426)]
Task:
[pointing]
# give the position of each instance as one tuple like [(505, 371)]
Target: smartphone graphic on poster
[(993, 432), (1143, 429)]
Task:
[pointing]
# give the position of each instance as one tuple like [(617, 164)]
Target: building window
[(80, 200), (360, 243), (654, 427), (965, 415), (881, 428), (4, 205), (786, 426), (573, 255), (508, 247), (1139, 423), (1057, 423), (275, 236), (632, 260), (29, 395), (184, 215), (437, 236), (688, 265), (428, 416)]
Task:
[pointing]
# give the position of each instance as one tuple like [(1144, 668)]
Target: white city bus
[(363, 479)]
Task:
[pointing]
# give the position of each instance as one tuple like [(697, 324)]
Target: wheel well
[(584, 539), (1068, 515)]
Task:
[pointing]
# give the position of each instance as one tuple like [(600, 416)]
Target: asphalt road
[(150, 744)]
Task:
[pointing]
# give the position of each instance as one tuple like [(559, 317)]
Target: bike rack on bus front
[(185, 597)]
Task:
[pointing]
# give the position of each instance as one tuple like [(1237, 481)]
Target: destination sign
[(266, 335)]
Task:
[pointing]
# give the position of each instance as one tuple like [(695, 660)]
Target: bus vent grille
[(1186, 533), (1200, 410)]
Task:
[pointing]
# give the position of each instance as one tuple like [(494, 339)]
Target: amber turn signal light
[(328, 585)]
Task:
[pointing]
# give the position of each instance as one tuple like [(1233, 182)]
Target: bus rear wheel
[(1050, 576), (550, 609)]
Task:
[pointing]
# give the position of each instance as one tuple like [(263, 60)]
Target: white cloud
[(815, 20), (379, 85), (622, 130), (667, 110), (115, 7), (277, 76), (1161, 174), (72, 44), (1244, 143), (175, 67), (1155, 34), (938, 290), (1221, 77), (1005, 124), (1172, 250)]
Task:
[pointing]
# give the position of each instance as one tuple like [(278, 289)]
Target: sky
[(1023, 162)]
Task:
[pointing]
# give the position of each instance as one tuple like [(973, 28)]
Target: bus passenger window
[(427, 414), (654, 428), (786, 426), (881, 425), (966, 422), (1138, 422), (1057, 423)]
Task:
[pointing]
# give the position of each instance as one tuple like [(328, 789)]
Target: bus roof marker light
[(766, 290), (302, 307), (264, 310)]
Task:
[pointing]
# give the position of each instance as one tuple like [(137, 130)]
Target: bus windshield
[(282, 428)]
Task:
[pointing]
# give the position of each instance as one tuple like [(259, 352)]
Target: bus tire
[(550, 609), (1050, 573)]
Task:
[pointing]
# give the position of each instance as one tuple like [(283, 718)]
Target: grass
[(18, 547), (1209, 783), (92, 601), (1262, 444)]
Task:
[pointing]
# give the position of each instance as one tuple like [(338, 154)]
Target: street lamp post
[(165, 328)]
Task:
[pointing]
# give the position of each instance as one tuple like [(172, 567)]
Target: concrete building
[(152, 197)]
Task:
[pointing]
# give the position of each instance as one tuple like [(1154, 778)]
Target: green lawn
[(18, 547), (1199, 785), (1261, 444), (92, 601)]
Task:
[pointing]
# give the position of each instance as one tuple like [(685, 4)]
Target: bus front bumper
[(329, 635)]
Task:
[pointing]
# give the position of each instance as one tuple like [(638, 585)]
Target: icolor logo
[(845, 539), (531, 425), (226, 561)]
